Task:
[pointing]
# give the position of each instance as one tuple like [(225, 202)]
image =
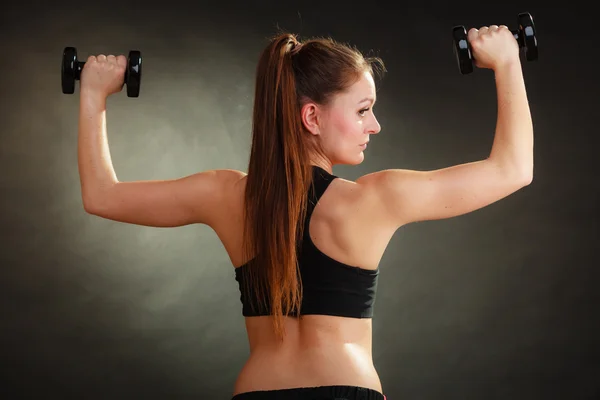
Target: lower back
[(316, 351)]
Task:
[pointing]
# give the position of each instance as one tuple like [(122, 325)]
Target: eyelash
[(363, 111)]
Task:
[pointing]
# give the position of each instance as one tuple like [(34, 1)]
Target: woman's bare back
[(318, 350)]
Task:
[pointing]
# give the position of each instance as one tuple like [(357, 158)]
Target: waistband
[(336, 392)]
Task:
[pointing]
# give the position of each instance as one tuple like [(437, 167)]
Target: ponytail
[(279, 174)]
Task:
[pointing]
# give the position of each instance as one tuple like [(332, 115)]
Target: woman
[(306, 244)]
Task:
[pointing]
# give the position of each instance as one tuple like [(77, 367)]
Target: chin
[(354, 160), (348, 157)]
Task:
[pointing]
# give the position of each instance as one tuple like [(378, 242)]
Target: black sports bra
[(329, 287)]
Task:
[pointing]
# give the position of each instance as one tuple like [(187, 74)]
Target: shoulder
[(355, 199), (229, 178), (215, 194), (228, 183), (215, 185)]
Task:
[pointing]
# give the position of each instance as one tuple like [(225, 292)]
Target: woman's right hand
[(103, 75), (493, 46)]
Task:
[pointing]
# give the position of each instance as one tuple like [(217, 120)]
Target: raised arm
[(199, 198), (406, 196)]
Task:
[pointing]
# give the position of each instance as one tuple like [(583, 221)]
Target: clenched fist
[(493, 46), (103, 75)]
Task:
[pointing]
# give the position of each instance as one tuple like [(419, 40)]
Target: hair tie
[(296, 47)]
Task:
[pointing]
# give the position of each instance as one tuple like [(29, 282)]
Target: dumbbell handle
[(77, 67), (521, 38)]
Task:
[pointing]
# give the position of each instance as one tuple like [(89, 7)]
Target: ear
[(311, 118)]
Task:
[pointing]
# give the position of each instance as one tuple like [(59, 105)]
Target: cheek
[(344, 126)]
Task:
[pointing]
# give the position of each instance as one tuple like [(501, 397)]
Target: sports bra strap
[(321, 181)]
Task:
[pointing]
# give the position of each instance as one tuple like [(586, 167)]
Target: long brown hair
[(289, 73)]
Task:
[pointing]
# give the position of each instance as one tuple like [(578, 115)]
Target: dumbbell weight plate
[(462, 50), (133, 73), (68, 68), (527, 29)]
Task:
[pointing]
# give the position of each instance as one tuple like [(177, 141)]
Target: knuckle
[(476, 43)]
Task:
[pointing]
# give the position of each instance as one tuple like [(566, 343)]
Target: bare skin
[(353, 222), (318, 350)]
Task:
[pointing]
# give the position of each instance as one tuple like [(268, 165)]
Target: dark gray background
[(498, 304)]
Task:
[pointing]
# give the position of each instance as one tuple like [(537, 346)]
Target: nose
[(374, 127)]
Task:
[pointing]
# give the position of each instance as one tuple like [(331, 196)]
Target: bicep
[(409, 196), (197, 198)]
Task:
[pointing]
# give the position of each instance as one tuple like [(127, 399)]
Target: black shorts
[(313, 393)]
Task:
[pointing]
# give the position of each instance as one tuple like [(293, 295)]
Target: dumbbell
[(71, 71), (525, 35)]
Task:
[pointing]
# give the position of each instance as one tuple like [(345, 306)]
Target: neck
[(322, 162)]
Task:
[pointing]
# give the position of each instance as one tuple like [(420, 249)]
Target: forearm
[(513, 142), (96, 171)]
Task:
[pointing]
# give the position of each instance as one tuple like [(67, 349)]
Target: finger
[(483, 30), (502, 27), (122, 61), (472, 34), (91, 59), (493, 28), (111, 59), (101, 58)]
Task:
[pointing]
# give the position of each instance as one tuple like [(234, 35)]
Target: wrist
[(92, 97), (509, 65)]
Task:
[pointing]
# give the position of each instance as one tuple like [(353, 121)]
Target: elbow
[(95, 201), (520, 175), (527, 175), (527, 179), (517, 179), (92, 205), (523, 178)]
